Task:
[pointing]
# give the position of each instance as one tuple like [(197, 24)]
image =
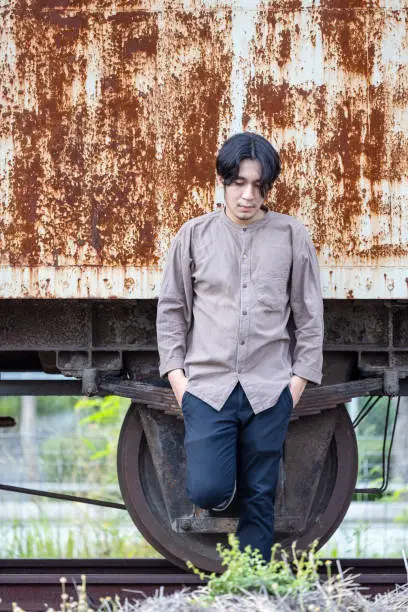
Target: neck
[(260, 214)]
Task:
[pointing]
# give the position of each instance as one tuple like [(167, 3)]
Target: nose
[(249, 192)]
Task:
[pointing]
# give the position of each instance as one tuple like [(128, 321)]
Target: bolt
[(186, 525)]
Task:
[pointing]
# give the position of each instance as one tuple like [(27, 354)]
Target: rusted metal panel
[(112, 114), (110, 120)]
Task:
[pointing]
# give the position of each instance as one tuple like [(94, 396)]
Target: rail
[(33, 582)]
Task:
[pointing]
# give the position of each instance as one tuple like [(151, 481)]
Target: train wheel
[(142, 495)]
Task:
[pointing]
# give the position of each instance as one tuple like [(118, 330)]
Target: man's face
[(243, 199)]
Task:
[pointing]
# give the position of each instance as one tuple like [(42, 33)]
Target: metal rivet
[(186, 525)]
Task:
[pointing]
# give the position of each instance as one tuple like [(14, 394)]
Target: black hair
[(248, 145)]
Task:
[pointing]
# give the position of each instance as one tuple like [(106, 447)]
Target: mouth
[(246, 207)]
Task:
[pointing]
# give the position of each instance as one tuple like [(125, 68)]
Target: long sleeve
[(174, 310), (307, 307)]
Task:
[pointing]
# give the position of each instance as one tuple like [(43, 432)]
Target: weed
[(247, 571)]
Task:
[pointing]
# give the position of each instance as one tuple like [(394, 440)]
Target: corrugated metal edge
[(73, 282), (91, 282), (364, 282)]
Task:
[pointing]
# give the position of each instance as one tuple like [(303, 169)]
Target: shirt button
[(244, 312), (244, 229), (242, 342), (245, 285)]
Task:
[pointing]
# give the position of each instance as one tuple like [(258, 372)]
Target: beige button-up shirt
[(241, 303)]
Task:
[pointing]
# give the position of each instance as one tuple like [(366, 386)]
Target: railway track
[(34, 582)]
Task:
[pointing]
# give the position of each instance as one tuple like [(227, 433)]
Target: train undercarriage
[(110, 348)]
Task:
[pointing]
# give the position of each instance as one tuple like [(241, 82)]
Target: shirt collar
[(251, 226)]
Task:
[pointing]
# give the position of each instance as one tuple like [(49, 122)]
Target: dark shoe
[(227, 502)]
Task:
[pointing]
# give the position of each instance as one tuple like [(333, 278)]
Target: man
[(235, 282)]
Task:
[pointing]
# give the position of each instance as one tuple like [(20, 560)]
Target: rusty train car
[(111, 116)]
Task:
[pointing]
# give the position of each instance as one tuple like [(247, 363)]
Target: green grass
[(45, 540)]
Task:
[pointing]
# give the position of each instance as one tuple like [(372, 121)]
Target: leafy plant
[(9, 406), (105, 415), (66, 458), (103, 410), (247, 571), (358, 537), (82, 460)]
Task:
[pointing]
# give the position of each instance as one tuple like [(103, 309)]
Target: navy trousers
[(237, 445)]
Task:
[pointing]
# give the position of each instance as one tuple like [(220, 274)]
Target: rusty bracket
[(209, 524), (391, 381)]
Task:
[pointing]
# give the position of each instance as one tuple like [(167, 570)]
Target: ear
[(220, 180)]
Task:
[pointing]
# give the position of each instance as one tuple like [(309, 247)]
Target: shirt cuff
[(314, 376), (168, 366)]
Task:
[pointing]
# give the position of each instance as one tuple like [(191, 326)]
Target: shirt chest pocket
[(272, 290)]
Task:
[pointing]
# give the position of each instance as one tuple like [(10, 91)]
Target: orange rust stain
[(351, 122), (45, 4), (197, 98), (344, 35), (286, 6), (86, 170), (284, 48), (81, 165), (382, 251), (349, 4)]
